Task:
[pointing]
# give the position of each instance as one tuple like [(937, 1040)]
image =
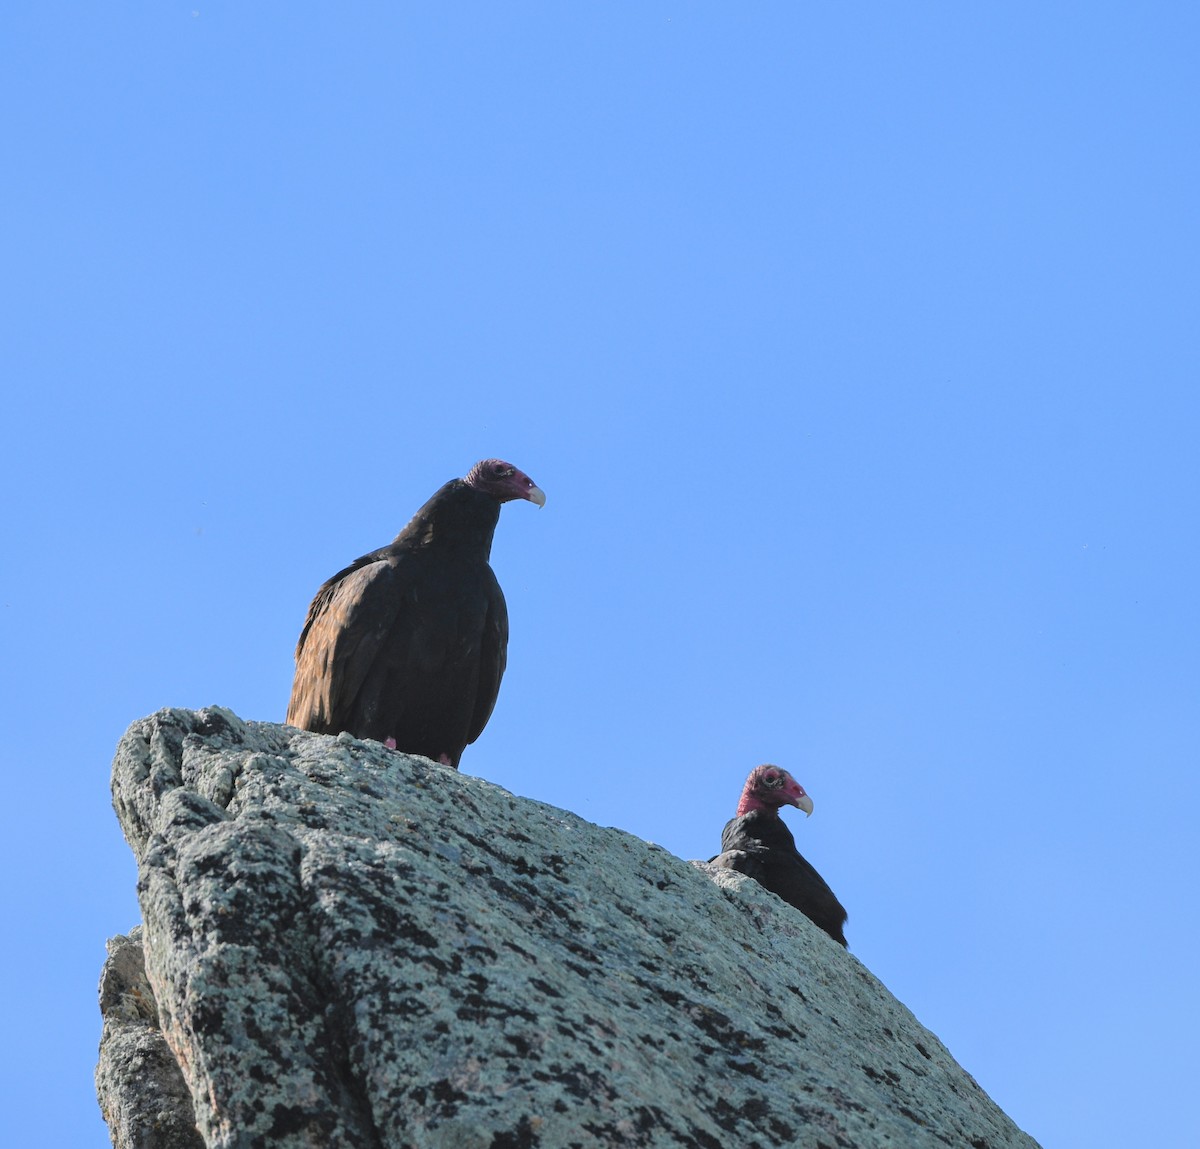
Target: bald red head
[(770, 787), (504, 482)]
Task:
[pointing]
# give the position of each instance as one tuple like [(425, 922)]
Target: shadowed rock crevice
[(352, 947)]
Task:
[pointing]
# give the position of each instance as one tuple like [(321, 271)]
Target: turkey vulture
[(758, 844), (407, 645)]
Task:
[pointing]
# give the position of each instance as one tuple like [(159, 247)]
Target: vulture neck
[(457, 520), (750, 803)]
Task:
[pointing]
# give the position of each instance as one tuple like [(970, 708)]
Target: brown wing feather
[(343, 633)]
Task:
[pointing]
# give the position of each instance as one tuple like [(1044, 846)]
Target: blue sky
[(855, 347)]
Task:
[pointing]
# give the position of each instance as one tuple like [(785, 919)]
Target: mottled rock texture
[(352, 947), (142, 1092)]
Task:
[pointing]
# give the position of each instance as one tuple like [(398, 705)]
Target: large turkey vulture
[(407, 645), (758, 844)]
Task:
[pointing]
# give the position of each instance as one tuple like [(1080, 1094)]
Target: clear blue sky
[(855, 347)]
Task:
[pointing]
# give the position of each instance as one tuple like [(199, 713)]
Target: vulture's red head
[(504, 482), (770, 787)]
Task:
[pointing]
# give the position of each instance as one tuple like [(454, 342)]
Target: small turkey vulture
[(407, 645), (758, 844)]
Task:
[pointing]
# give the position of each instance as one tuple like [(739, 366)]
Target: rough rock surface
[(351, 947), (142, 1092)]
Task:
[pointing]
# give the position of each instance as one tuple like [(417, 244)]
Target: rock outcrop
[(347, 946)]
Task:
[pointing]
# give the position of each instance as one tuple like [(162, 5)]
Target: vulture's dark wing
[(747, 861), (348, 623), (406, 646), (493, 657), (740, 851)]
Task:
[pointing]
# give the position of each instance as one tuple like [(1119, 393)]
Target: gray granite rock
[(352, 947), (142, 1092)]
